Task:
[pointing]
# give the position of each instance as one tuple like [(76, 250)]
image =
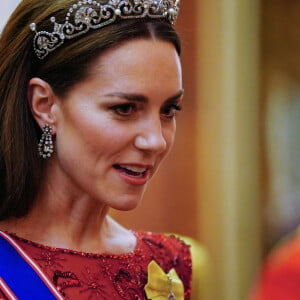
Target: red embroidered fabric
[(89, 276)]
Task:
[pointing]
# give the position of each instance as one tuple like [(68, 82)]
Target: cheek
[(90, 138), (169, 135)]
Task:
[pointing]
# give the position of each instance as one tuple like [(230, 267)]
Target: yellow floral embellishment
[(162, 286)]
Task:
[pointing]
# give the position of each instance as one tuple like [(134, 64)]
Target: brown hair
[(21, 169)]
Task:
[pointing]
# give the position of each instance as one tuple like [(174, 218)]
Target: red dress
[(78, 275)]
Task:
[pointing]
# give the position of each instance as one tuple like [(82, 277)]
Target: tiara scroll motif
[(91, 14)]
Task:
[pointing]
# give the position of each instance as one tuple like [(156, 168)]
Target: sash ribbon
[(20, 276)]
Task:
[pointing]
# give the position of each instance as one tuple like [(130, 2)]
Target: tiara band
[(91, 14)]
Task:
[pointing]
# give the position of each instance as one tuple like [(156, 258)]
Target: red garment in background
[(80, 276), (280, 275)]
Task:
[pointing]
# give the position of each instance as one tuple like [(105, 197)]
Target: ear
[(43, 102)]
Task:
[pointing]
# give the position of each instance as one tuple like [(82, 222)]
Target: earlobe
[(41, 100)]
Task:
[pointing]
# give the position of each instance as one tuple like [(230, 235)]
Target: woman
[(89, 96)]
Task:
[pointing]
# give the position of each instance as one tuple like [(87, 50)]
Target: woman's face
[(114, 128)]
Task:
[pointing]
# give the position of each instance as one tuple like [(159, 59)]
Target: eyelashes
[(125, 110), (168, 111), (171, 110)]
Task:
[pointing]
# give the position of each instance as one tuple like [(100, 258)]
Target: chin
[(128, 204)]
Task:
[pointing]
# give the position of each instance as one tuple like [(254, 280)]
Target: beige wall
[(228, 142)]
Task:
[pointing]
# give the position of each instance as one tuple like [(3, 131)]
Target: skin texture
[(120, 119)]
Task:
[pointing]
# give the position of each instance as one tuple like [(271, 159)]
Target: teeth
[(134, 168)]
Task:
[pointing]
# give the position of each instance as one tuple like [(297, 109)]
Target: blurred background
[(232, 181)]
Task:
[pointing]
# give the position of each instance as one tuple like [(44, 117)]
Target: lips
[(133, 171)]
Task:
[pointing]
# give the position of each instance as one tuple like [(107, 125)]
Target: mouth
[(132, 171)]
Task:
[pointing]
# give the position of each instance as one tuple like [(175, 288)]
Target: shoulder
[(160, 241)]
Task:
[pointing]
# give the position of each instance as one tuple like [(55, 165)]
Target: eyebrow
[(142, 98)]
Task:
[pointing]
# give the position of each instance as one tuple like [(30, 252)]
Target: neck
[(62, 220)]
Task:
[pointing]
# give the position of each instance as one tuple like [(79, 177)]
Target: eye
[(169, 111), (126, 109)]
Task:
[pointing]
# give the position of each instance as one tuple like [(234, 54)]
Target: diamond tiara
[(91, 14)]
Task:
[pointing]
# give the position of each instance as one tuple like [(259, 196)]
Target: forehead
[(136, 62)]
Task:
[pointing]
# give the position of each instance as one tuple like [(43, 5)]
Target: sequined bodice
[(83, 276)]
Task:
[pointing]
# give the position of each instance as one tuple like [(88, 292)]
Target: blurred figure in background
[(279, 278)]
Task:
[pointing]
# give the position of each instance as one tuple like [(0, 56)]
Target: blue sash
[(16, 270)]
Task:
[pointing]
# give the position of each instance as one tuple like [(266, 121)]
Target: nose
[(151, 137)]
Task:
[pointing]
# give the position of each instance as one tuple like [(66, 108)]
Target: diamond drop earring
[(45, 146)]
